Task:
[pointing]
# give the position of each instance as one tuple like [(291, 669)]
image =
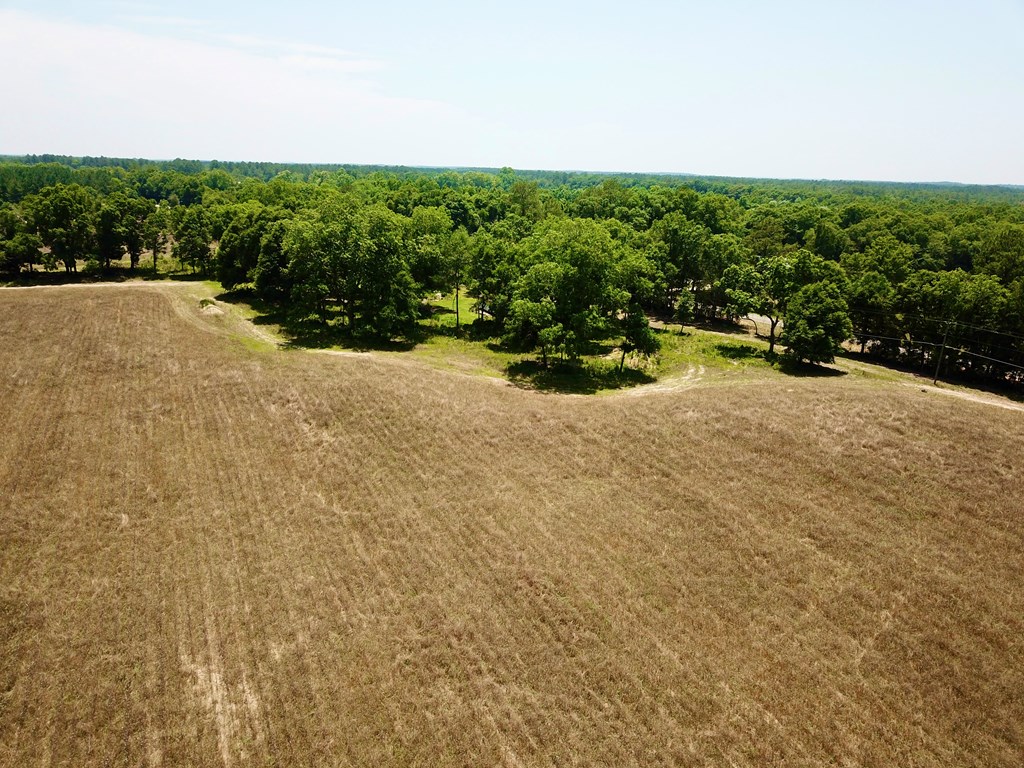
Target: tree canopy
[(557, 261)]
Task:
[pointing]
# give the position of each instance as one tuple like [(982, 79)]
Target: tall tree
[(63, 216), (386, 294), (428, 231), (817, 323), (767, 286), (192, 240), (456, 263), (109, 241), (156, 231), (239, 249), (568, 294), (638, 335)]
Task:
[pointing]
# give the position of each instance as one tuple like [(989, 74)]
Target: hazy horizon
[(867, 91)]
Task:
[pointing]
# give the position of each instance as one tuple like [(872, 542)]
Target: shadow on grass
[(736, 351), (722, 326), (306, 334), (573, 378), (113, 274), (801, 369)]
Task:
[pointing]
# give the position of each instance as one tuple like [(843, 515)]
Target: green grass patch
[(692, 346), (476, 347)]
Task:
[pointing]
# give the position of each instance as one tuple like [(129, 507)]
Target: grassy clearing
[(478, 349), (217, 557)]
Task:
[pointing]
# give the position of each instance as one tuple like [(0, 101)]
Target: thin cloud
[(160, 20), (305, 55), (103, 89), (274, 44)]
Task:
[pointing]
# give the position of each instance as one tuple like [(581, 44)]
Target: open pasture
[(215, 552)]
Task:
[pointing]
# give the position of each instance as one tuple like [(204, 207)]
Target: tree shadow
[(800, 369), (723, 326), (573, 378), (115, 273), (182, 277), (305, 333), (738, 351)]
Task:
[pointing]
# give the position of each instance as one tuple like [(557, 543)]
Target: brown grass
[(221, 554)]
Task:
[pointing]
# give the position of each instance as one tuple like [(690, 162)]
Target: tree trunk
[(771, 335), (622, 360), (456, 308)]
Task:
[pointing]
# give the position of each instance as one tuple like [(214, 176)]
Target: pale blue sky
[(914, 91)]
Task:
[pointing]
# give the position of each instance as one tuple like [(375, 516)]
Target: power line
[(975, 342), (960, 351), (880, 313)]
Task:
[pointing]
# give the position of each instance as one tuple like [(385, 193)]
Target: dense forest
[(926, 276)]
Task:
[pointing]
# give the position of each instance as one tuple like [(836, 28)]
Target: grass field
[(218, 552)]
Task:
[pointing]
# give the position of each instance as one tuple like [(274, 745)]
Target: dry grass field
[(214, 552)]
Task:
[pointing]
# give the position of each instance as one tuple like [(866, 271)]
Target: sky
[(898, 90)]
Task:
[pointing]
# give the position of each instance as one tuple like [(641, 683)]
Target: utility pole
[(942, 352)]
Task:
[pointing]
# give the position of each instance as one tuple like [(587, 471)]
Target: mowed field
[(215, 552)]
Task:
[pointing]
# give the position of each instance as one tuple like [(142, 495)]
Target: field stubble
[(221, 554)]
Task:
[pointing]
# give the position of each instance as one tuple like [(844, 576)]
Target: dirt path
[(994, 400), (692, 377)]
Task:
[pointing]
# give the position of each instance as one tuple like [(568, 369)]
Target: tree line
[(555, 261)]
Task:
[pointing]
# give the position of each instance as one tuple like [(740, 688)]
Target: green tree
[(22, 250), (239, 249), (109, 241), (683, 256), (638, 335), (493, 271), (684, 310), (827, 240), (638, 275), (817, 323), (321, 249), (567, 295), (532, 316), (355, 258), (19, 247), (121, 228), (192, 240), (1002, 252), (871, 300), (767, 286), (429, 229), (63, 216), (455, 265), (156, 232), (270, 276), (763, 288), (386, 293), (525, 200), (305, 246), (893, 259)]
